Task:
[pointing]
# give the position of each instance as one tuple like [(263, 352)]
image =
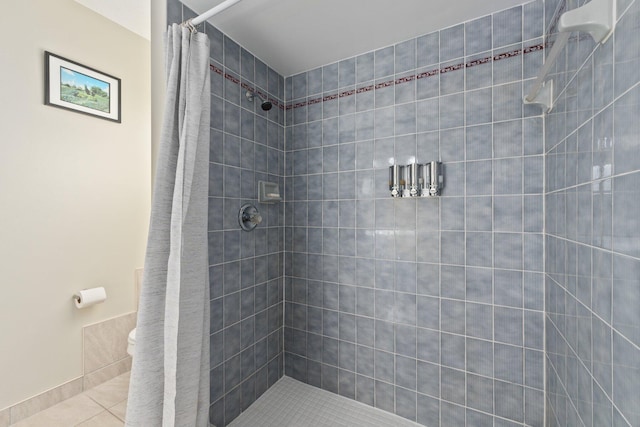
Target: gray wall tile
[(585, 285), (408, 285), (478, 35)]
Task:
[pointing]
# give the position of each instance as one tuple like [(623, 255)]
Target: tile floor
[(290, 403), (102, 406)]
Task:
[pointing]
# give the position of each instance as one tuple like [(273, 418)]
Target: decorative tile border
[(421, 75), (245, 86), (385, 84)]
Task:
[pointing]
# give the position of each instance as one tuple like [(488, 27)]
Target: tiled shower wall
[(592, 229), (428, 308), (247, 146), (433, 309)]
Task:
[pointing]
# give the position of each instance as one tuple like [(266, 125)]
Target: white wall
[(74, 191), (133, 15)]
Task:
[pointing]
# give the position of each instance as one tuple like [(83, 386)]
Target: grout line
[(579, 360), (589, 122), (593, 313)]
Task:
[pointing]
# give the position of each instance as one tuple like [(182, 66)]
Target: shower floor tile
[(294, 404)]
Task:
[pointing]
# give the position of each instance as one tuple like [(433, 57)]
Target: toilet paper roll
[(89, 297)]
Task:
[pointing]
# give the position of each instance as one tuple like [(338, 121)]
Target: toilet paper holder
[(88, 297)]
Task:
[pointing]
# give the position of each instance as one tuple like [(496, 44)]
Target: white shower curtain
[(170, 374)]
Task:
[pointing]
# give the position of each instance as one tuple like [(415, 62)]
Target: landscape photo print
[(84, 90), (76, 87)]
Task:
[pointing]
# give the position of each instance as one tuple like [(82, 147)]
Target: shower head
[(265, 105)]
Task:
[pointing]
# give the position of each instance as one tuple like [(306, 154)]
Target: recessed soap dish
[(268, 192)]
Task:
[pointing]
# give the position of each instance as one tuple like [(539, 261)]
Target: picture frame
[(72, 86)]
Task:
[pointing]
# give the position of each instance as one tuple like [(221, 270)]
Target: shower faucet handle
[(255, 218), (249, 217)]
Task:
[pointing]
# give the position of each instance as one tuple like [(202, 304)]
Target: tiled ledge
[(105, 346)]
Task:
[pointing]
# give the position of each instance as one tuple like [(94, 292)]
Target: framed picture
[(79, 88)]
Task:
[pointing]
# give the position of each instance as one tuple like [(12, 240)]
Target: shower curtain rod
[(598, 18), (213, 11), (549, 62)]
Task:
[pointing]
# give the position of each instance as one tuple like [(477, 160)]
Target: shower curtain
[(170, 373)]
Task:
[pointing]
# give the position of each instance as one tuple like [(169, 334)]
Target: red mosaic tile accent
[(384, 84), (231, 77), (533, 48), (365, 89), (216, 69), (425, 74), (451, 68), (405, 79), (479, 61), (506, 55)]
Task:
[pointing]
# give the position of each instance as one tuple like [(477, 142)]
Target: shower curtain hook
[(190, 26)]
